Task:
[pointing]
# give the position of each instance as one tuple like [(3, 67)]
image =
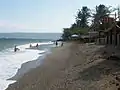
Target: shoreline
[(28, 66), (31, 65), (72, 67)]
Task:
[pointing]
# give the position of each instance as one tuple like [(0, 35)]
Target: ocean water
[(11, 61)]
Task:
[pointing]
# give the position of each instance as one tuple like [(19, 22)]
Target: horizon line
[(31, 32)]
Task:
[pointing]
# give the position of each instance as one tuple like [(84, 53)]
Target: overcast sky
[(42, 15)]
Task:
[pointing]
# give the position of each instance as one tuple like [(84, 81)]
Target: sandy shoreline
[(26, 67), (72, 67)]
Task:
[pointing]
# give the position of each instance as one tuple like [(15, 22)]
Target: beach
[(74, 66), (26, 58)]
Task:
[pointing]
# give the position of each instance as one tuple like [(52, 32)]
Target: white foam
[(10, 62)]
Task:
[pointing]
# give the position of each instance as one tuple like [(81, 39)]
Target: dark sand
[(72, 67)]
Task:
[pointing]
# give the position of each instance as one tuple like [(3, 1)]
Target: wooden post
[(107, 41), (115, 16), (119, 39), (115, 37), (110, 36), (99, 37)]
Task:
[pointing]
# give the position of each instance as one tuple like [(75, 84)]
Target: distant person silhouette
[(37, 45), (16, 49), (56, 43), (30, 45), (61, 44)]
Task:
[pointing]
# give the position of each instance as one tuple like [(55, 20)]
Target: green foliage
[(82, 17), (81, 27), (68, 32), (101, 11), (79, 31)]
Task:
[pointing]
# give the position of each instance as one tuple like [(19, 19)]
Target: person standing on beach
[(61, 44), (56, 43)]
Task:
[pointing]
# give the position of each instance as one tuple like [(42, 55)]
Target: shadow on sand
[(105, 67), (96, 72)]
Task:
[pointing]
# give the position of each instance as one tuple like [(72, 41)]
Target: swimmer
[(16, 49)]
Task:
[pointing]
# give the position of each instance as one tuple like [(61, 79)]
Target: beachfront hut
[(107, 23), (90, 37), (101, 37), (113, 34), (75, 37), (85, 38), (93, 35)]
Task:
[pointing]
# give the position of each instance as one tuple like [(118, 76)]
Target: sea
[(11, 61)]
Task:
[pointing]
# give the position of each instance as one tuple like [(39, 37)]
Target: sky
[(42, 15)]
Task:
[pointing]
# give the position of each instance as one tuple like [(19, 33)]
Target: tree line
[(86, 18)]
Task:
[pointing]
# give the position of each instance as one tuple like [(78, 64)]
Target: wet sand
[(72, 67)]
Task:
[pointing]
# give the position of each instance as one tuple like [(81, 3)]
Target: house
[(75, 37), (90, 37), (113, 34), (107, 23)]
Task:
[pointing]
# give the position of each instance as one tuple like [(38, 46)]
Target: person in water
[(16, 49), (37, 45), (30, 45)]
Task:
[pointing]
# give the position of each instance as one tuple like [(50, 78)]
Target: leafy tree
[(73, 26), (82, 17), (101, 11), (66, 34), (70, 31), (80, 26)]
